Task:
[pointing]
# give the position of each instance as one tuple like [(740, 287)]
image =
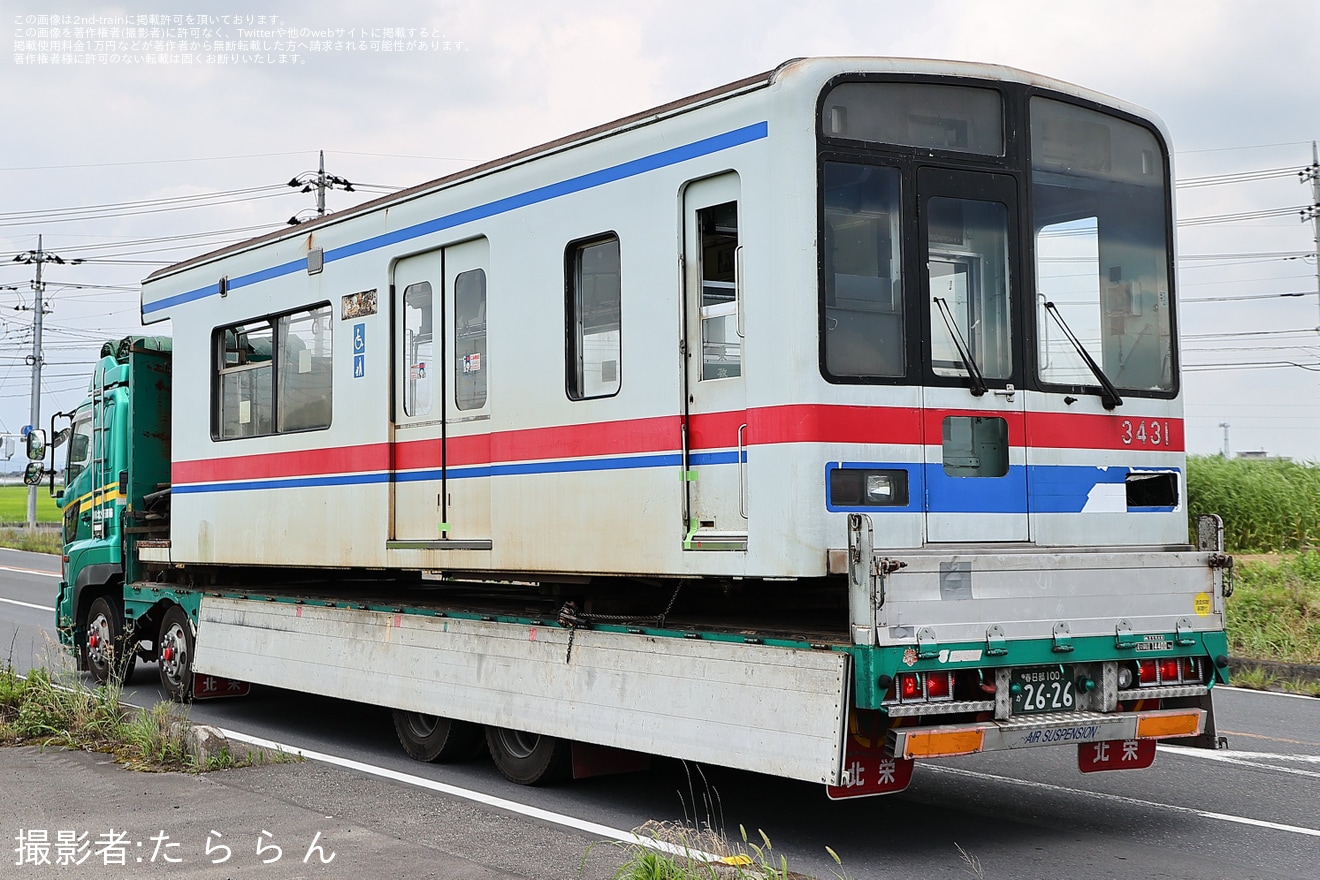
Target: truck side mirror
[(36, 446), (60, 437), (33, 473)]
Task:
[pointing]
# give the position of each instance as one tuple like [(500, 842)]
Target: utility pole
[(1312, 173), (39, 257), (1224, 425), (320, 181)]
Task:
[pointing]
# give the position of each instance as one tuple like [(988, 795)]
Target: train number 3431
[(1145, 433)]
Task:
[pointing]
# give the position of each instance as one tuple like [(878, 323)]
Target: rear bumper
[(1031, 731)]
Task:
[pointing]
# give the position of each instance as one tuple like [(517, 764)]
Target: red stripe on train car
[(799, 423), (819, 423), (1117, 431), (302, 463)]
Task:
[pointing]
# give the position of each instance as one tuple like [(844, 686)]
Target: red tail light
[(1169, 670), (909, 686), (1146, 672), (939, 685)]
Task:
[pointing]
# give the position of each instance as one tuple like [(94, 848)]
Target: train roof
[(820, 69)]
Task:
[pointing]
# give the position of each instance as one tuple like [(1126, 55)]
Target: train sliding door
[(976, 474), (441, 400), (715, 398)]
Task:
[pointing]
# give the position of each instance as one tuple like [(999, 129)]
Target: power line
[(1304, 331), (1247, 297), (1246, 147), (132, 242), (1244, 215), (1236, 177), (150, 207), (1251, 255), (1250, 365)]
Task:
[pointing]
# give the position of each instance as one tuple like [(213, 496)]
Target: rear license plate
[(1042, 689)]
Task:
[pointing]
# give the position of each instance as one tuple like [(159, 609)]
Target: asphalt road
[(1250, 811)]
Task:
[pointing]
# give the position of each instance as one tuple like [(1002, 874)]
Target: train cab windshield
[(961, 245), (1098, 195)]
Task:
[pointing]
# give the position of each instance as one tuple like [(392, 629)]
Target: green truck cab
[(115, 496)]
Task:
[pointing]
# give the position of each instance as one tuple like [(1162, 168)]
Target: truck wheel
[(174, 654), (432, 738), (104, 647), (529, 758)]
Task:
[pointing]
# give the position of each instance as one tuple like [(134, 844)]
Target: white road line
[(1238, 690), (478, 797), (1118, 798), (467, 794), (26, 604), (49, 574), (1255, 760)]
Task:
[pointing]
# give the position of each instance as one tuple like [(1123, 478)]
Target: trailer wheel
[(104, 647), (174, 653), (432, 738), (529, 758)]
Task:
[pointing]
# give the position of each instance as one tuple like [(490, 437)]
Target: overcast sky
[(1233, 81)]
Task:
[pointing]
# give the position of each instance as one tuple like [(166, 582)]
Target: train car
[(873, 360)]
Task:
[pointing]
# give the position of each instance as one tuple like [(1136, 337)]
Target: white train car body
[(672, 464)]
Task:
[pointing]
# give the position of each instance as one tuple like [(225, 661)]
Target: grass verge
[(1258, 679), (1274, 612), (679, 852), (36, 710), (32, 540)]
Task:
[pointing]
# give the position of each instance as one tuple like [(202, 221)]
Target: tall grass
[(1275, 611), (677, 852), (35, 709), (33, 540), (1267, 506)]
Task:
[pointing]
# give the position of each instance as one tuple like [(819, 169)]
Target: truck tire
[(174, 653), (432, 738), (530, 758), (106, 652)]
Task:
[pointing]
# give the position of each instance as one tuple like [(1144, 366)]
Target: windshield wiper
[(973, 371), (1108, 393)]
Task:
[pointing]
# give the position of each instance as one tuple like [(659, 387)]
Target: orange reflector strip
[(932, 744), (1181, 724)]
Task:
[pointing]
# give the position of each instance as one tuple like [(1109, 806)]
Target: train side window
[(470, 339), (304, 369), (863, 291), (721, 337), (418, 303), (273, 375), (592, 317), (245, 394)]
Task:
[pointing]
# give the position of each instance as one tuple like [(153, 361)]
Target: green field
[(13, 505)]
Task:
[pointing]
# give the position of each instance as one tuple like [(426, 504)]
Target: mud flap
[(867, 770), (1209, 737), (1115, 754), (213, 687)]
